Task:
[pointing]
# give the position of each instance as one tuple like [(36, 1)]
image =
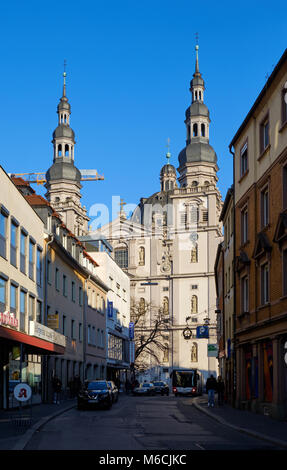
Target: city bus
[(187, 382)]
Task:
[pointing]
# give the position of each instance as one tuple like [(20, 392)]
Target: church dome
[(63, 170), (64, 131), (197, 108), (197, 152), (168, 169)]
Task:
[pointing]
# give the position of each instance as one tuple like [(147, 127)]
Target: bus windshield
[(184, 378)]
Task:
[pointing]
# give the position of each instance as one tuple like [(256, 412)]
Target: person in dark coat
[(57, 387), (211, 388), (220, 390)]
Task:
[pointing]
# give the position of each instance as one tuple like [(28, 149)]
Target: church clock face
[(194, 237)]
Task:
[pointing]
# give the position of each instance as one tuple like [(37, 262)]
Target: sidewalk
[(14, 433), (256, 425)]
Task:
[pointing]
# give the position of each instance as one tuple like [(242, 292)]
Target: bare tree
[(151, 326)]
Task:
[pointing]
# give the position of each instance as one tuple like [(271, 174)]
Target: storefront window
[(29, 371)]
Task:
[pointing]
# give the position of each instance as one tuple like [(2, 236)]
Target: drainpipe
[(234, 288), (45, 358)]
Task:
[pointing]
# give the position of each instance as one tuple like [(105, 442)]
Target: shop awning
[(44, 347)]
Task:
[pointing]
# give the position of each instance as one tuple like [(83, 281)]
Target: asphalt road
[(141, 423)]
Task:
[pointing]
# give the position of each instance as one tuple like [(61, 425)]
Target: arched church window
[(65, 118), (195, 95), (141, 256), (59, 150), (194, 254), (66, 150), (200, 95), (195, 131), (194, 183), (194, 304), (203, 130), (165, 306)]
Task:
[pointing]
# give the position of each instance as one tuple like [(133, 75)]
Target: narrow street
[(141, 423)]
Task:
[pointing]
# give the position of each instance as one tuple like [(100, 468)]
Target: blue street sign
[(131, 330), (202, 332), (110, 309)]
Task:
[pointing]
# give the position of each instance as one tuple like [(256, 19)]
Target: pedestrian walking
[(220, 390), (211, 387), (57, 387)]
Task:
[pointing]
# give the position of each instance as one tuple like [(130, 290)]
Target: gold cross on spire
[(122, 204)]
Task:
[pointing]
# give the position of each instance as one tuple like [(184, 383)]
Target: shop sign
[(110, 309), (132, 352), (22, 392), (47, 334), (53, 321), (212, 350), (8, 319), (202, 332), (131, 330)]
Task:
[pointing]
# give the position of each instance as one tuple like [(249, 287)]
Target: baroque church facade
[(168, 248)]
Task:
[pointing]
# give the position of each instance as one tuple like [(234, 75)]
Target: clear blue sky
[(129, 66)]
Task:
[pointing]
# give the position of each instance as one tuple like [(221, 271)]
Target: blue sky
[(129, 65)]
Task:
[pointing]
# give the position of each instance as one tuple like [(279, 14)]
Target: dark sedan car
[(115, 391), (95, 393), (161, 387)]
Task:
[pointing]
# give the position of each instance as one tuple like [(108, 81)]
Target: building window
[(3, 234), (244, 225), (80, 296), (73, 329), (80, 331), (194, 304), (264, 207), (264, 283), (183, 219), (13, 244), (64, 285), (264, 134), (243, 160), (3, 294), (73, 291), (194, 215), (23, 252), (23, 297), (13, 298), (121, 257), (39, 312), (195, 130), (205, 215), (203, 130), (89, 334), (194, 254), (64, 325), (31, 259), (39, 267), (57, 283), (244, 294), (31, 308)]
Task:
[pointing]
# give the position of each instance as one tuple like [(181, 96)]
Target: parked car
[(115, 391), (161, 387), (95, 393), (146, 388)]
